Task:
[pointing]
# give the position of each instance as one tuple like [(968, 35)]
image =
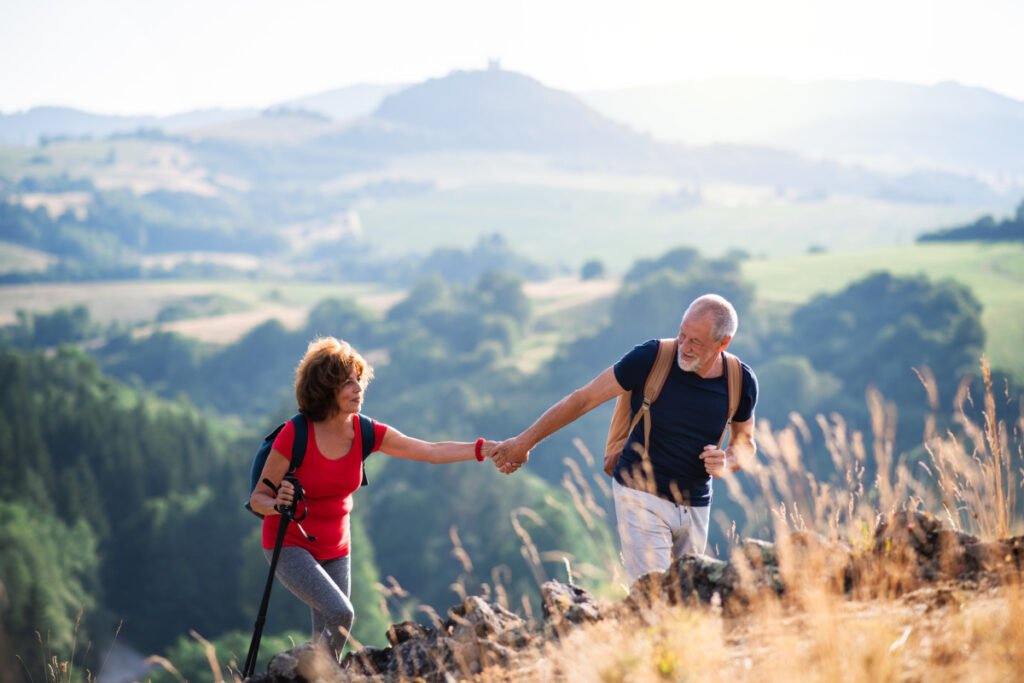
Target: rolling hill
[(885, 124)]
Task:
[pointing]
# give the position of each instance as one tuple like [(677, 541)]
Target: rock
[(367, 662), (408, 630), (478, 619), (762, 559), (302, 663), (699, 577), (418, 659), (566, 606), (645, 592), (911, 548)]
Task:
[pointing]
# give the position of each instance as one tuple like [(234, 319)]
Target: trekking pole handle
[(290, 510), (298, 494)]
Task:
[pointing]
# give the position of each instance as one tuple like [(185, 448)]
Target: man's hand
[(714, 460), (510, 455)]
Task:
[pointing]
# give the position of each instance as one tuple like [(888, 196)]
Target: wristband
[(478, 450)]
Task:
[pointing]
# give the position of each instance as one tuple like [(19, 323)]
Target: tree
[(48, 571), (592, 270), (878, 329)]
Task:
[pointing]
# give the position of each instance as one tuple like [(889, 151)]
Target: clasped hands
[(508, 455)]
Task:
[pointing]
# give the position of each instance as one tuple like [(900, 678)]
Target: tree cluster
[(985, 229)]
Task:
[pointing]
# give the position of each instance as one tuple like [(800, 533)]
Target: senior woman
[(330, 381)]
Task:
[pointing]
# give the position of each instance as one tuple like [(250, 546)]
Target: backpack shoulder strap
[(621, 426), (301, 426), (659, 371), (734, 381), (368, 436), (652, 388)]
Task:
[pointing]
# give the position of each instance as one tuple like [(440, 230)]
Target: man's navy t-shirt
[(689, 414)]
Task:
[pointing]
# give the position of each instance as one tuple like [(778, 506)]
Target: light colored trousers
[(654, 531)]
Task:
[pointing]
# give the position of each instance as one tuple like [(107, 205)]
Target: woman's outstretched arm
[(399, 445)]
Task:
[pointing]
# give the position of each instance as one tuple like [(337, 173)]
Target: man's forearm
[(571, 407), (739, 454), (567, 410)]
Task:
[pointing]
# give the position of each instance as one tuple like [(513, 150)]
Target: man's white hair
[(725, 321)]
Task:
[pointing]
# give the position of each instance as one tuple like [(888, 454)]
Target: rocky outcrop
[(907, 549), (934, 551), (476, 635)]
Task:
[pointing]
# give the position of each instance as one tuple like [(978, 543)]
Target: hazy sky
[(164, 56)]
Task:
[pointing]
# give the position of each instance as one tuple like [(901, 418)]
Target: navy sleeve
[(632, 369), (748, 397)]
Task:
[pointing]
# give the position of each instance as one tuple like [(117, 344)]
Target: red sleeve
[(379, 430), (285, 439)]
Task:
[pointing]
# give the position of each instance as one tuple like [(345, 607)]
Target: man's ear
[(724, 344)]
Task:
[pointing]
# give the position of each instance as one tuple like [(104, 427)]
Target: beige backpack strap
[(652, 388), (734, 380), (618, 431)]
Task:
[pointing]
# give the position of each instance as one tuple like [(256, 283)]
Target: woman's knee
[(341, 614)]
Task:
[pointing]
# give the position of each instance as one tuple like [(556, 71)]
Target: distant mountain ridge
[(504, 109), (494, 110), (947, 125), (29, 127)]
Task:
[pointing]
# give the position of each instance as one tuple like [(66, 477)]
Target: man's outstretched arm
[(511, 453)]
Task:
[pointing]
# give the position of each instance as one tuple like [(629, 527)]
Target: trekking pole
[(287, 517)]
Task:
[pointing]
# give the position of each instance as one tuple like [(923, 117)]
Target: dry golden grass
[(894, 626), (970, 638)]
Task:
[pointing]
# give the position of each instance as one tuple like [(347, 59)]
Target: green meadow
[(993, 271), (571, 225)]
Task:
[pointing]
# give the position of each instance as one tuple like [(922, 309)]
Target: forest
[(986, 229), (128, 455)]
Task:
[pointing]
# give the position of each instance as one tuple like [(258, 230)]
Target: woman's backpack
[(301, 424)]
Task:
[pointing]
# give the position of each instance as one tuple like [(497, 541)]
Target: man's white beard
[(687, 365)]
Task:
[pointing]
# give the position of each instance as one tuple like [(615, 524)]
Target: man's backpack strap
[(368, 438), (621, 426), (734, 380)]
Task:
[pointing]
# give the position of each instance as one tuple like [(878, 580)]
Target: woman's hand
[(510, 454), (285, 495)]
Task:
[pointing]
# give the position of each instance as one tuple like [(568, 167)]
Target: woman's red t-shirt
[(328, 486)]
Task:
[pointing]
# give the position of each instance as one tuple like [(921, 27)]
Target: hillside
[(499, 110), (799, 609), (29, 127), (853, 587), (884, 124), (994, 272), (507, 110)]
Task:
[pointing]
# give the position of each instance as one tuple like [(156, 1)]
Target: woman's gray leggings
[(325, 587)]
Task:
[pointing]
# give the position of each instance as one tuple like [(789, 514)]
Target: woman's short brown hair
[(328, 364)]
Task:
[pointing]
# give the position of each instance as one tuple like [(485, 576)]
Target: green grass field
[(571, 225), (137, 302), (15, 259), (994, 272)]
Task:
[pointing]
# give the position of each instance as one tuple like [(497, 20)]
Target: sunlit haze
[(161, 57)]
